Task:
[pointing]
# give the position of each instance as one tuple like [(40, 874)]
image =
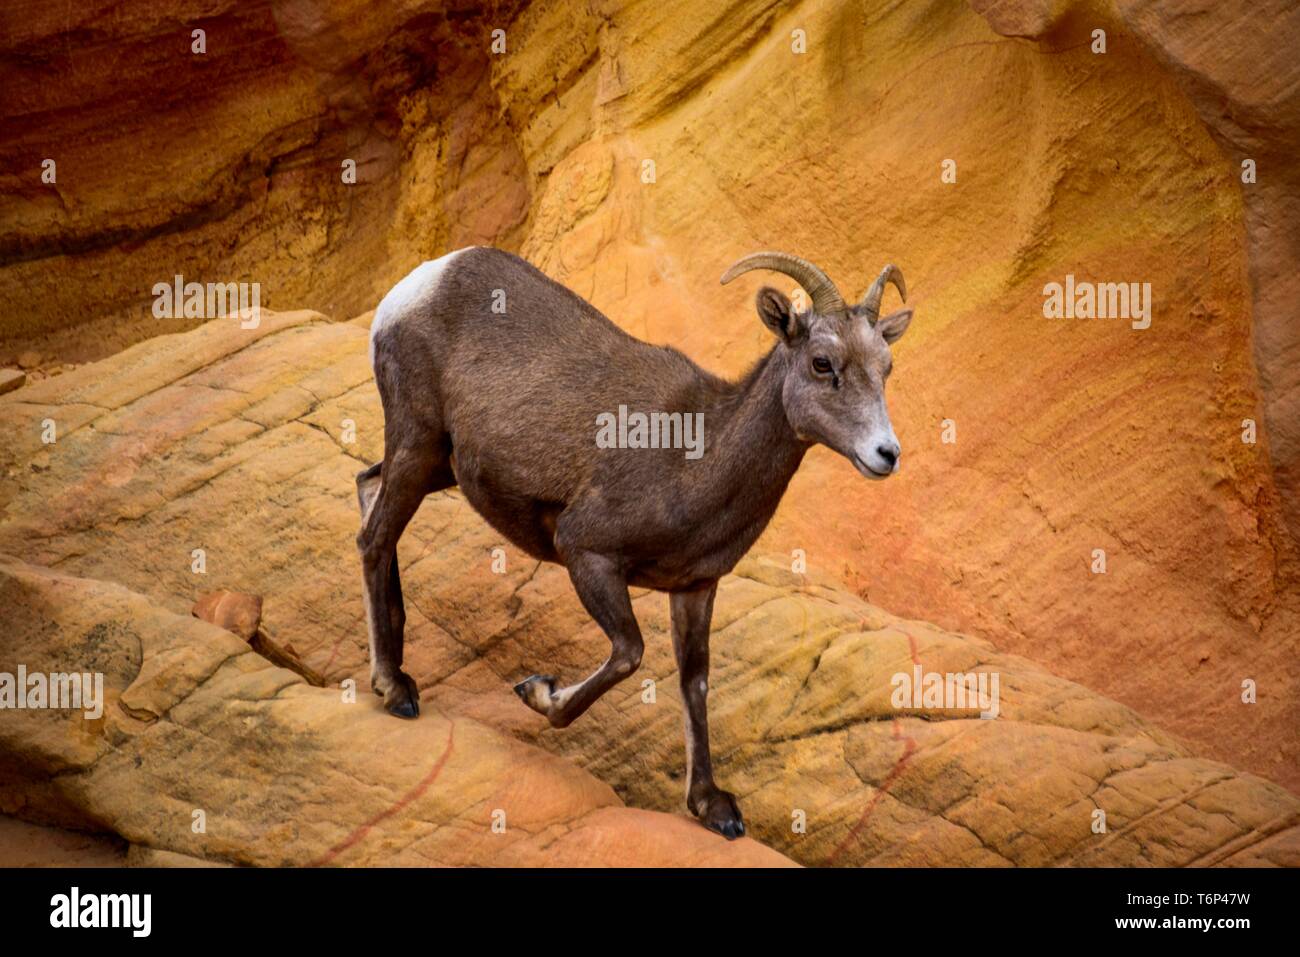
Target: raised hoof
[(403, 697), (538, 692), (720, 813)]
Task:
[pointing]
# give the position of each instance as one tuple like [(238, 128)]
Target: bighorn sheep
[(505, 404)]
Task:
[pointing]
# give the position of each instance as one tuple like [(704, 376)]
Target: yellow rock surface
[(285, 774), (238, 443)]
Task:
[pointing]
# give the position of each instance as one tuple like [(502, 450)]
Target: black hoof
[(403, 698), (729, 829), (721, 814), (403, 709), (537, 692)]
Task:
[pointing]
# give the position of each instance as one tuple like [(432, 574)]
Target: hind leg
[(389, 494), (367, 489)]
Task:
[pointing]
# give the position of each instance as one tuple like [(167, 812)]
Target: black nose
[(889, 453)]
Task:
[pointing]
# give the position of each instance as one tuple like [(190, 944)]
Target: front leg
[(603, 591), (692, 613)]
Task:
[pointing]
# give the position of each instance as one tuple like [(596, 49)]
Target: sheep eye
[(821, 364)]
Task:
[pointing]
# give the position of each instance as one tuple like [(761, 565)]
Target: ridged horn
[(871, 301), (825, 297)]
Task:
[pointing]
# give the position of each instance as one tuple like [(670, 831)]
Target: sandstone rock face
[(1239, 73), (200, 729), (223, 459), (633, 150), (30, 845), (229, 164), (11, 379)]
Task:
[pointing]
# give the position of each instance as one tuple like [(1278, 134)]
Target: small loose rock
[(11, 379)]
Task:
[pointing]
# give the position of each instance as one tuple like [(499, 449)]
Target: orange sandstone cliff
[(633, 150)]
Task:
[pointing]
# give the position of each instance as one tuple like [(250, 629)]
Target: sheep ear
[(777, 313), (894, 325)]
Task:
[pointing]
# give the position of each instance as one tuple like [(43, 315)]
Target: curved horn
[(871, 301), (825, 297)]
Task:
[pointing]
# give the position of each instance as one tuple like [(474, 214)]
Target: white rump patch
[(413, 291)]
